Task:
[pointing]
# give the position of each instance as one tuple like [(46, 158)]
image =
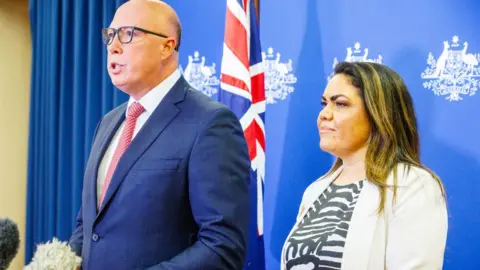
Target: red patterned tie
[(135, 110)]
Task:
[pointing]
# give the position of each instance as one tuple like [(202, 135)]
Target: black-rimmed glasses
[(125, 34)]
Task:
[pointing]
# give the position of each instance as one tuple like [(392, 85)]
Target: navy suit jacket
[(178, 198)]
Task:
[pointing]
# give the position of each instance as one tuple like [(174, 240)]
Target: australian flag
[(242, 89)]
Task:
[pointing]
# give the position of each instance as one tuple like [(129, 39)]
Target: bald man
[(166, 183)]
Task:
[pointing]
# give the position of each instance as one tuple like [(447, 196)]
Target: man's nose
[(116, 47)]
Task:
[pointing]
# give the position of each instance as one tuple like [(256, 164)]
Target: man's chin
[(120, 84), (129, 87)]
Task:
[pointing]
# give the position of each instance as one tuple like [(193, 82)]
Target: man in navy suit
[(166, 183)]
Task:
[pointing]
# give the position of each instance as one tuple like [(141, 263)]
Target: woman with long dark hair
[(378, 207)]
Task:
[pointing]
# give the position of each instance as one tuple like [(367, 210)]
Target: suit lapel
[(157, 122), (102, 144)]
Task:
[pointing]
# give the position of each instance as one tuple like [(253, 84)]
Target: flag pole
[(257, 8)]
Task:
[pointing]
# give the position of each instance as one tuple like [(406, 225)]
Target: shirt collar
[(153, 97)]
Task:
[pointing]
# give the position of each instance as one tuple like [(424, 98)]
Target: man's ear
[(168, 48)]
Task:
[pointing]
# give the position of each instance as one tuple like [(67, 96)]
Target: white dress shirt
[(150, 102)]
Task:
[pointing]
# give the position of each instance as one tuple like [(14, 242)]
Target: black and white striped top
[(319, 239)]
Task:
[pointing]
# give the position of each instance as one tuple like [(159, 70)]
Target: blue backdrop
[(301, 42), (400, 34)]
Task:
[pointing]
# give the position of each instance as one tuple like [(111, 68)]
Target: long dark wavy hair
[(394, 135)]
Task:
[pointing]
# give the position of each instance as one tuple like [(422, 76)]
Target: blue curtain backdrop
[(301, 40), (70, 91)]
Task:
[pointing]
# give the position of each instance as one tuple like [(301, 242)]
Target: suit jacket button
[(95, 237)]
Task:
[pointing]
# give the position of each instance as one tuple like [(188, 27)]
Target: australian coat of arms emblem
[(454, 73), (201, 76), (357, 55), (278, 77)]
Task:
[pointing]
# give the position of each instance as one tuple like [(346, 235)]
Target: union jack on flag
[(243, 91)]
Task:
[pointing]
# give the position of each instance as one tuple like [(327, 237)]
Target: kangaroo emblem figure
[(442, 60)]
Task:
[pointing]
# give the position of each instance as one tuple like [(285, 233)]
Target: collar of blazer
[(362, 227), (365, 245)]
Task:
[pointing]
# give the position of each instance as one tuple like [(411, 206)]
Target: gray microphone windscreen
[(9, 242)]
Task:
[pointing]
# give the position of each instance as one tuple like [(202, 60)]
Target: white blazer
[(411, 234)]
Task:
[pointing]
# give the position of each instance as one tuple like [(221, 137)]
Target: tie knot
[(135, 110)]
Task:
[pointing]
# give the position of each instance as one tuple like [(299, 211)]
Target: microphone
[(9, 242), (54, 255)]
